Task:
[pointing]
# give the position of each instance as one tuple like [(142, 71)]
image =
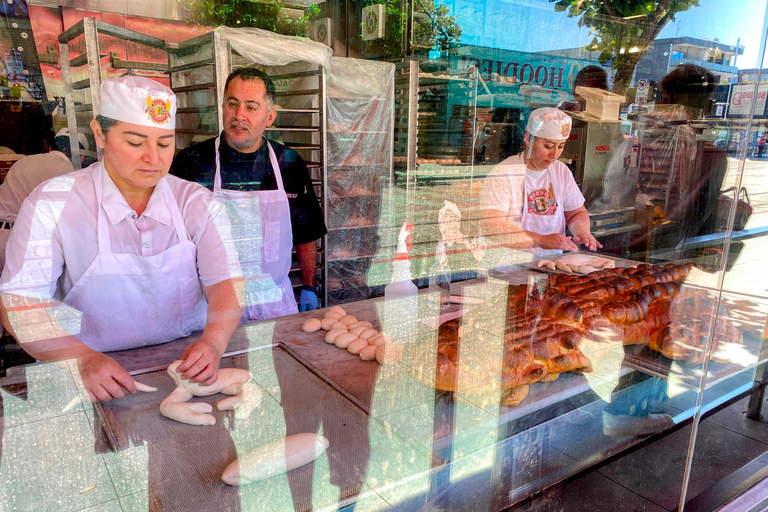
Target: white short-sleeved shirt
[(532, 200), (22, 178), (54, 239), (25, 175)]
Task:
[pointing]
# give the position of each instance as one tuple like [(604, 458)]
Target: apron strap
[(173, 206), (272, 160), (217, 163), (275, 167), (102, 225)]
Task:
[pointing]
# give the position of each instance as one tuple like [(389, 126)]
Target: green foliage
[(391, 45), (244, 13), (434, 28), (623, 29)]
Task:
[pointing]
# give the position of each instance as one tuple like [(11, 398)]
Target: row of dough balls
[(345, 331)]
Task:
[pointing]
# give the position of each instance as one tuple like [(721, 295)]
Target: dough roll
[(277, 457)]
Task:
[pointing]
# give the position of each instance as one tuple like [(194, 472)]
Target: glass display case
[(542, 282)]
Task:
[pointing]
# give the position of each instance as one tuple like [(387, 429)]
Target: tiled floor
[(651, 478), (592, 493)]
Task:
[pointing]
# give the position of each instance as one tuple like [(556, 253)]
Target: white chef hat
[(64, 132), (549, 123), (138, 100)]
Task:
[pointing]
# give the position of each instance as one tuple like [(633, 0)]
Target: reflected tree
[(623, 29), (277, 16), (434, 28)]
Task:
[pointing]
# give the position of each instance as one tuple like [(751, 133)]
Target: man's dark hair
[(254, 74), (591, 76), (61, 143), (688, 85)]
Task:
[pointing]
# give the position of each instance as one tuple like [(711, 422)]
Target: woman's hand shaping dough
[(200, 362), (103, 378), (229, 381)]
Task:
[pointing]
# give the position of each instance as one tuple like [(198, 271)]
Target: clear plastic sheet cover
[(359, 161), (270, 49)]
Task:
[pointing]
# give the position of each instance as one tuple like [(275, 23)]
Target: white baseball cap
[(549, 123), (64, 132), (138, 100)]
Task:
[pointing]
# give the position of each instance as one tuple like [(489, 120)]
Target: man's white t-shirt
[(532, 200)]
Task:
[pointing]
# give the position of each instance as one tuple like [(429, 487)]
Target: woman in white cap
[(120, 255), (534, 195)]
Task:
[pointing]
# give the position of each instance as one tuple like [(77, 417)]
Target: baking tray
[(185, 462), (620, 262)]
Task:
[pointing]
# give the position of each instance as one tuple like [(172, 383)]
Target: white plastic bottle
[(440, 276), (401, 295)]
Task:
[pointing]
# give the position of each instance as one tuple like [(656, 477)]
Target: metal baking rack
[(431, 140)]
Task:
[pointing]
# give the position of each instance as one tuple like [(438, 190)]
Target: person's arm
[(578, 223), (222, 278), (515, 237), (307, 226), (102, 377), (201, 358), (307, 254)]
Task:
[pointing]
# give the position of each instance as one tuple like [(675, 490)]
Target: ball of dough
[(311, 325), (333, 334), (339, 325), (357, 330), (348, 319), (380, 354), (365, 323), (357, 346), (377, 339), (368, 353), (327, 323), (368, 333), (333, 314), (344, 339), (338, 309)]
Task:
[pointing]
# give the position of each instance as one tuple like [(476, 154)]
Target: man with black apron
[(268, 194)]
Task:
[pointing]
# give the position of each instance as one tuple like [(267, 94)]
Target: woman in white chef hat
[(534, 194), (121, 255)]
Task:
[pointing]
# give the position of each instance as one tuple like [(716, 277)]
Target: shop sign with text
[(742, 97), (517, 78)]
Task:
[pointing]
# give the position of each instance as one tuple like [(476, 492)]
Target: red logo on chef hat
[(158, 110), (565, 129)]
